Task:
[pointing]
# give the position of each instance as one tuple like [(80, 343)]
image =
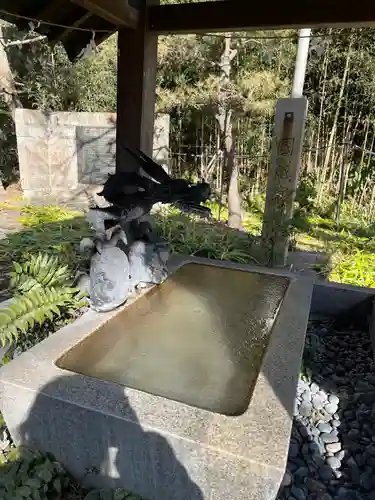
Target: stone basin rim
[(272, 401)]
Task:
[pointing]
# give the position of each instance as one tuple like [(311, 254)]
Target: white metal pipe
[(301, 62)]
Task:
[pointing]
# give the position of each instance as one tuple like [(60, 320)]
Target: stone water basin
[(199, 338), (186, 393)]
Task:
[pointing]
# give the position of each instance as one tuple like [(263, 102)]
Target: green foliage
[(34, 307), (188, 79), (46, 256), (189, 236), (190, 88), (8, 150), (34, 476), (118, 494), (50, 82), (357, 269), (41, 270), (51, 230), (351, 249), (33, 216), (96, 79), (306, 196), (42, 291)]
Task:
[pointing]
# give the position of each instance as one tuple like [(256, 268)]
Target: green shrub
[(40, 270), (26, 474), (33, 216), (49, 230), (189, 236), (31, 475), (42, 290), (356, 268)]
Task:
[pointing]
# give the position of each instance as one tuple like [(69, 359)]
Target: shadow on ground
[(91, 447)]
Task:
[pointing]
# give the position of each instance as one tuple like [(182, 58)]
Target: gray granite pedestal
[(113, 436)]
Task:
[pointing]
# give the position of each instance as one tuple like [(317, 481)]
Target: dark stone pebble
[(354, 433), (301, 473), (315, 486), (367, 481), (304, 431), (298, 493), (326, 473), (293, 450)]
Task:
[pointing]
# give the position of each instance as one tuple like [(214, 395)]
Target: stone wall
[(65, 157)]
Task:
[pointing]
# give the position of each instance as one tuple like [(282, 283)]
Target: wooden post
[(282, 179), (136, 82)]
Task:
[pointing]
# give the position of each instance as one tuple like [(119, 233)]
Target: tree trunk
[(364, 146), (7, 86), (335, 121), (224, 118), (371, 209), (360, 166), (8, 90), (322, 100), (234, 197), (309, 164), (359, 194)]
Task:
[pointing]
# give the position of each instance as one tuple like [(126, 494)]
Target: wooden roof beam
[(117, 12), (51, 10), (239, 15), (67, 31), (51, 13)]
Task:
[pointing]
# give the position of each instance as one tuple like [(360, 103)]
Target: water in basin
[(198, 338)]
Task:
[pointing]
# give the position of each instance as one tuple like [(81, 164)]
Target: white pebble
[(333, 447), (317, 402), (331, 408), (305, 409), (324, 427), (314, 388), (306, 396), (323, 396), (334, 400)]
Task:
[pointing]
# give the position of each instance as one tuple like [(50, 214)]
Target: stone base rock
[(128, 255), (109, 279)]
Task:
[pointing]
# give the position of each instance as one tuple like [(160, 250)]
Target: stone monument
[(127, 252)]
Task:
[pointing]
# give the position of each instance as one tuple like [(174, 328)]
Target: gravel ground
[(332, 448)]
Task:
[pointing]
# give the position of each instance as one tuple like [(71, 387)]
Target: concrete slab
[(110, 435), (308, 262), (333, 299)]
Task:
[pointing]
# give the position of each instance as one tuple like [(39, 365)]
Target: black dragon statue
[(128, 253)]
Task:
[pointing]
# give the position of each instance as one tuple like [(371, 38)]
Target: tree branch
[(24, 42)]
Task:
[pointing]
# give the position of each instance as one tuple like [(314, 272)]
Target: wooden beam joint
[(117, 12)]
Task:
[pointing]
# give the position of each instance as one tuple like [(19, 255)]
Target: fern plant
[(42, 291), (41, 270)]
